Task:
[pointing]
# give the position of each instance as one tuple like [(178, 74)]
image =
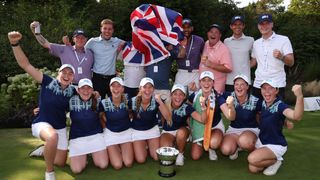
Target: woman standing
[(85, 132), (116, 122)]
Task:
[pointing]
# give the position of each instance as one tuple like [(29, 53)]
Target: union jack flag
[(153, 27)]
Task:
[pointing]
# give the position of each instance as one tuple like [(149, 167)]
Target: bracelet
[(14, 45)]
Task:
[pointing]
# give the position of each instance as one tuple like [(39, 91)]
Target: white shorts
[(86, 145), (173, 133), (146, 134), (239, 131), (219, 126), (277, 150), (185, 78), (112, 138), (62, 134)]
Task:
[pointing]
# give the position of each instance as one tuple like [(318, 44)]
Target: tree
[(304, 7)]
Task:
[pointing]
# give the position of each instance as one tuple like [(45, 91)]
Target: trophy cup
[(167, 157)]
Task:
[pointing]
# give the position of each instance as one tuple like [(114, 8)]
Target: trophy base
[(167, 175)]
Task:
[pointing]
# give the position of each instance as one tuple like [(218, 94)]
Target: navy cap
[(79, 32), (187, 21), (236, 18), (220, 28), (265, 17)]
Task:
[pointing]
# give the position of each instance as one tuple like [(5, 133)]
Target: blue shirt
[(53, 102), (246, 112), (117, 117), (271, 123), (105, 54), (144, 119), (84, 121), (179, 117)]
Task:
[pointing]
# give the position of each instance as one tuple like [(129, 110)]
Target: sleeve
[(226, 59), (282, 106), (287, 47), (101, 107), (259, 105), (89, 44), (221, 99), (189, 110), (46, 80), (56, 49), (191, 97), (253, 52)]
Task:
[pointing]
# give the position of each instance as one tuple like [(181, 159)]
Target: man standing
[(105, 49), (240, 47), (77, 55), (216, 58), (271, 52), (188, 65)]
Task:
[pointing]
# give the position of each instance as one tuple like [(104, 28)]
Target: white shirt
[(269, 67), (240, 52), (133, 75)]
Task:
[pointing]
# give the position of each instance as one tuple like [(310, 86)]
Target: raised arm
[(163, 108), (297, 113), (14, 38), (228, 109), (42, 41)]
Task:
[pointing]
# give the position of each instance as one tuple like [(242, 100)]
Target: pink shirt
[(218, 54)]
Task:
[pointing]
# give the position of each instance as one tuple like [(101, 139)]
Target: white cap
[(116, 79), (241, 76), (206, 74), (66, 66), (180, 87), (270, 82), (84, 82), (146, 80)]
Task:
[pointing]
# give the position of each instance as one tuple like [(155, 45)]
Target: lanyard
[(190, 47), (84, 58)]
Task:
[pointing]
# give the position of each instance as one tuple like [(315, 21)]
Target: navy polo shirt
[(271, 123), (53, 102), (179, 117), (117, 117), (144, 119), (84, 121)]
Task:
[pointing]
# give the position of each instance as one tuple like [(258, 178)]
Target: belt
[(189, 70), (103, 76)]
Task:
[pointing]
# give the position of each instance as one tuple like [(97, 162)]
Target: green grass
[(302, 160)]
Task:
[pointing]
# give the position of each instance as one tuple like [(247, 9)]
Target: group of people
[(117, 120)]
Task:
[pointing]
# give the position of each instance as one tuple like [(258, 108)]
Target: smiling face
[(65, 76), (79, 41), (265, 28), (214, 36), (187, 30), (107, 31), (237, 28), (147, 91), (85, 92), (206, 85), (241, 87), (177, 98), (116, 90), (269, 93)]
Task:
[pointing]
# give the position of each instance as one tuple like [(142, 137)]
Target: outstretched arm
[(297, 113), (14, 38), (42, 41)]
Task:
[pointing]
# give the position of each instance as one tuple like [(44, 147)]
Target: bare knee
[(253, 169), (181, 135), (247, 144), (101, 164), (141, 159), (226, 150), (117, 165), (253, 159), (52, 139), (77, 169), (128, 163)]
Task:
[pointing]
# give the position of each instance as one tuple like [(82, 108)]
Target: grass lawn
[(302, 160)]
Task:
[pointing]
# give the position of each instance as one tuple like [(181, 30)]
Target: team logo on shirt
[(110, 107), (250, 104), (181, 111), (151, 107), (273, 108), (56, 89)]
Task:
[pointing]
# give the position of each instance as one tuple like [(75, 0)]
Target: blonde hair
[(106, 21)]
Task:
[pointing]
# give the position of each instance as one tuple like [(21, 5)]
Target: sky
[(244, 3)]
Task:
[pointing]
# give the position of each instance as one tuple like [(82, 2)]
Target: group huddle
[(120, 124)]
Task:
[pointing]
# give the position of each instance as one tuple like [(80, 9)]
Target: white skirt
[(277, 150), (239, 131), (146, 134), (112, 138), (86, 145)]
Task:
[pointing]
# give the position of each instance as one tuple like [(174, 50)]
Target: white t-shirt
[(269, 67), (240, 52), (133, 75)]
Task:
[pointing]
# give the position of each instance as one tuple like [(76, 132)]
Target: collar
[(271, 37), (215, 46), (102, 39), (241, 37), (74, 48)]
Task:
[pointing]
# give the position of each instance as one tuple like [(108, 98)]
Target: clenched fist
[(297, 90), (33, 25), (202, 102), (14, 37), (229, 101)]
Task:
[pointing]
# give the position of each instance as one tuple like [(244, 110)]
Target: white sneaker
[(50, 176), (213, 155), (234, 156), (37, 152), (272, 170), (180, 160)]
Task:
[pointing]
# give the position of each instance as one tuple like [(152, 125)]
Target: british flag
[(153, 27)]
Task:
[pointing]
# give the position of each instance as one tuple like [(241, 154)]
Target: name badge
[(155, 69), (187, 62), (79, 70)]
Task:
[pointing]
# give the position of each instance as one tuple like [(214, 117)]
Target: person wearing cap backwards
[(175, 130), (80, 58), (240, 47), (243, 130), (105, 49), (115, 119), (209, 134), (272, 145), (216, 58), (145, 130), (188, 65), (50, 124), (86, 135), (271, 53)]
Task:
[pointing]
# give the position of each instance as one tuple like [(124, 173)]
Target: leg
[(216, 138), (261, 158), (78, 163), (100, 159), (196, 151), (50, 136), (114, 153), (229, 144), (181, 138), (61, 158), (127, 153), (153, 145), (167, 139), (140, 151), (247, 140)]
